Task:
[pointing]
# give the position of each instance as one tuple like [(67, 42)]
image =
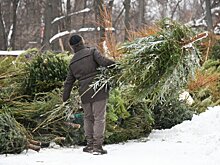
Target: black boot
[(98, 150), (88, 148)]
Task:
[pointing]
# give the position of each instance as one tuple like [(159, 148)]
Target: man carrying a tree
[(83, 67)]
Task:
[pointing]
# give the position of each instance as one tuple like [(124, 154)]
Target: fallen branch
[(198, 37)]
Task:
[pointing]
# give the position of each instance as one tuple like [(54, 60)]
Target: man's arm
[(68, 84), (101, 60)]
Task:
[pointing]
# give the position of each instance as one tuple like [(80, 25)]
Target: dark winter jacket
[(83, 67)]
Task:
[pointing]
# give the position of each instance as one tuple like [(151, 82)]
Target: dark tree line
[(29, 23)]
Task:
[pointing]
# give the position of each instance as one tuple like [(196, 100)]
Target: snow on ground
[(195, 142)]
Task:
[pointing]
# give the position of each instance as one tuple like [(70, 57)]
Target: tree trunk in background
[(215, 3), (68, 19), (163, 8), (48, 25), (28, 31), (209, 15), (108, 19), (110, 6), (84, 14), (3, 32), (14, 23), (141, 7), (175, 9), (127, 6), (101, 22), (96, 19), (78, 5), (56, 8), (51, 12), (67, 25), (78, 19)]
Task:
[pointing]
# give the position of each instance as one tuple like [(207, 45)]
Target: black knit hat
[(75, 39)]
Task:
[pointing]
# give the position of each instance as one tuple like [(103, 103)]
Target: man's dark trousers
[(94, 122)]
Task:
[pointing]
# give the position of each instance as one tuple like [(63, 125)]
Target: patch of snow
[(78, 12), (185, 96), (61, 34), (86, 29), (195, 142), (10, 34), (106, 50), (217, 29), (58, 35), (107, 29)]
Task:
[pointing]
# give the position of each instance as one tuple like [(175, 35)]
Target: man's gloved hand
[(64, 103)]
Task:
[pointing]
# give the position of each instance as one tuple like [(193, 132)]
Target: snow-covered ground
[(195, 142)]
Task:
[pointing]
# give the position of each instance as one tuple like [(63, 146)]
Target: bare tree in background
[(99, 9), (175, 8), (47, 19), (209, 15), (3, 30), (141, 13), (127, 6), (68, 19), (84, 14), (52, 11), (21, 26), (163, 8), (77, 5), (216, 19), (215, 3), (14, 23), (56, 9), (29, 31)]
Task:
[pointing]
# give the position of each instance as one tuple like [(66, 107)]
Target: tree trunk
[(101, 22), (51, 11), (110, 6), (78, 5), (141, 13), (108, 14), (3, 32), (56, 6), (84, 14), (175, 8), (215, 3), (68, 19), (209, 15), (48, 25), (14, 23), (67, 25), (127, 6), (163, 8)]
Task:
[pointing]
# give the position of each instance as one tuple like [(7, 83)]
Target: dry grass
[(207, 45), (143, 32), (108, 45), (205, 80)]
